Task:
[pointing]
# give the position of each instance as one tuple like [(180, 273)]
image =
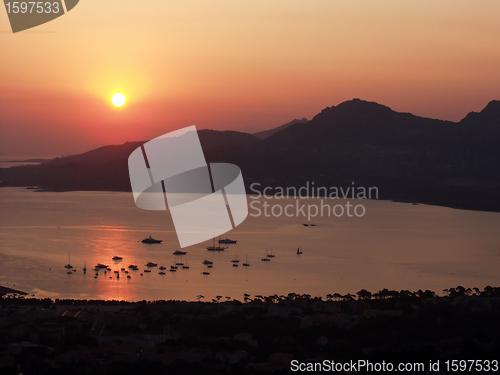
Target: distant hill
[(409, 158), (267, 133)]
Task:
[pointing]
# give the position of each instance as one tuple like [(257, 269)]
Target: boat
[(133, 267), (235, 260), (84, 268), (163, 268), (123, 269), (173, 267), (161, 273), (151, 264), (179, 252), (101, 266), (147, 270), (271, 255), (173, 270), (205, 273), (151, 240), (185, 266), (210, 266), (126, 272), (69, 273), (68, 266), (306, 225), (299, 251), (226, 240), (235, 264), (216, 248), (115, 258), (246, 264), (116, 272), (179, 263), (266, 259), (129, 277), (207, 262)]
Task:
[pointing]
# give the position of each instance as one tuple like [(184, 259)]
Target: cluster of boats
[(176, 264)]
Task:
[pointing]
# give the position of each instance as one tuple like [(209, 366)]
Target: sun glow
[(118, 99)]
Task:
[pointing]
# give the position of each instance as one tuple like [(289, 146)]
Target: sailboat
[(271, 255), (205, 272), (246, 264), (68, 266), (216, 248), (84, 268), (235, 260), (299, 251), (185, 265)]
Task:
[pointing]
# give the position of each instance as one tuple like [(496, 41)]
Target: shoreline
[(471, 207), (6, 290), (362, 295)]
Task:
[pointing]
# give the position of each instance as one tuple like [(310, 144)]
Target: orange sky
[(237, 64)]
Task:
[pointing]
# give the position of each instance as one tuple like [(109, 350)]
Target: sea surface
[(394, 245)]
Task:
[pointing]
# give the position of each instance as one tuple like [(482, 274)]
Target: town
[(263, 334)]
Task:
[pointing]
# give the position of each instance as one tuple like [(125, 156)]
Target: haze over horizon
[(178, 66)]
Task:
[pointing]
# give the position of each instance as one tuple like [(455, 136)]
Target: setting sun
[(118, 100)]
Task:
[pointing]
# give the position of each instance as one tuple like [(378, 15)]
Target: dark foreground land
[(260, 335)]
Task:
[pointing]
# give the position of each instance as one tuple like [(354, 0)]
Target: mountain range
[(409, 158)]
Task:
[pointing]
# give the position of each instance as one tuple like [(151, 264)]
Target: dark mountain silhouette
[(267, 133), (409, 158)]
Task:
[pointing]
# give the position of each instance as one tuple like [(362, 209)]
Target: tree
[(337, 296), (364, 294), (218, 298), (347, 297), (199, 297)]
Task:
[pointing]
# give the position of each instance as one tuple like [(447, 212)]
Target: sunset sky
[(237, 64)]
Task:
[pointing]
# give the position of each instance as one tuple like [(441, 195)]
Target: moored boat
[(151, 240)]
